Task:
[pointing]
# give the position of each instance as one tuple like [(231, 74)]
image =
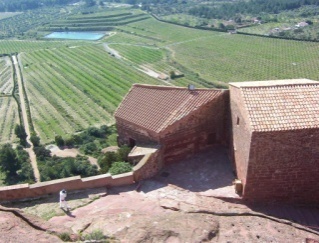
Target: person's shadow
[(68, 212)]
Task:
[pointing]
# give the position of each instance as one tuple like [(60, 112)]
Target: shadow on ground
[(208, 170)]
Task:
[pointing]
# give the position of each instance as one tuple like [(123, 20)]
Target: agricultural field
[(8, 118), (6, 77), (5, 15), (71, 89), (221, 58), (72, 85), (100, 21), (17, 46), (265, 29)]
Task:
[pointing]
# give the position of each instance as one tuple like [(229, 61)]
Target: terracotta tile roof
[(156, 107), (282, 105)]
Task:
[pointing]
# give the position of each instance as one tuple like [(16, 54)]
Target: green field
[(73, 88), (222, 58), (72, 85), (100, 21), (8, 118)]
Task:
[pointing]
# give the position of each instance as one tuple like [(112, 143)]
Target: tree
[(21, 134), (59, 140), (172, 74), (120, 167), (69, 141), (123, 153), (8, 160), (35, 140), (106, 161)]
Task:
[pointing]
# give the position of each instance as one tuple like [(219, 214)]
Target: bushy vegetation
[(55, 168), (90, 141), (107, 160), (120, 167), (15, 165)]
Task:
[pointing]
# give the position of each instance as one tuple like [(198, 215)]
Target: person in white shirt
[(63, 203)]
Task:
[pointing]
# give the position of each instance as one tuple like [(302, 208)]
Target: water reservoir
[(76, 35)]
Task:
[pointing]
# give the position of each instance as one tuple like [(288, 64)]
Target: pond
[(76, 35)]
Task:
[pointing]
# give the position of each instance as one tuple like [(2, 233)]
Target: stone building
[(181, 121), (275, 128)]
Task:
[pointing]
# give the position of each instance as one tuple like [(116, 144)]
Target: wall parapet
[(147, 167), (24, 191)]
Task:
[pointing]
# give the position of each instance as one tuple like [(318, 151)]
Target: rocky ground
[(179, 205)]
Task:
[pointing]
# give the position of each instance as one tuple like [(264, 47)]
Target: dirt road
[(25, 121)]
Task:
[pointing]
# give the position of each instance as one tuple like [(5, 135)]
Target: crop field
[(8, 118), (222, 58), (16, 46), (96, 22), (72, 85), (73, 88), (237, 58), (265, 29), (5, 15), (6, 79)]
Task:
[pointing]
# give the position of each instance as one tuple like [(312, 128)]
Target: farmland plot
[(73, 88), (8, 118), (6, 76), (221, 58), (243, 58), (13, 46)]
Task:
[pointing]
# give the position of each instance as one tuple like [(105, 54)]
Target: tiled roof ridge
[(165, 87), (280, 86), (168, 120), (181, 107)]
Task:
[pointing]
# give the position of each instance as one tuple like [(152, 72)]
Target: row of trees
[(22, 5), (253, 7)]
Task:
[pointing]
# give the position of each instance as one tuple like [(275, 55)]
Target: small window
[(237, 121)]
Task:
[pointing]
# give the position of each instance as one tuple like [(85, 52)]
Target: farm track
[(25, 121)]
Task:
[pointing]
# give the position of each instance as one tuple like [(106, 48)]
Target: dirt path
[(55, 150), (25, 121)]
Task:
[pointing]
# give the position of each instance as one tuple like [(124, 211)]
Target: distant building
[(275, 127)]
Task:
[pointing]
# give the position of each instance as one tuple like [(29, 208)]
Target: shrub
[(65, 236), (120, 167), (96, 236)]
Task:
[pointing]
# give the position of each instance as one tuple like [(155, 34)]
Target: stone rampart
[(146, 168)]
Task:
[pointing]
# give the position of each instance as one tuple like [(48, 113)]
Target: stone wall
[(284, 166), (126, 130), (203, 128), (72, 183), (149, 165), (241, 134)]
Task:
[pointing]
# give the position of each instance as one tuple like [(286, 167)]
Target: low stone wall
[(148, 166)]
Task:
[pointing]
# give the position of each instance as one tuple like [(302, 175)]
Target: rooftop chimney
[(191, 87)]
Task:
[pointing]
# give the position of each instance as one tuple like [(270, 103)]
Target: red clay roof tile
[(157, 107), (282, 105)]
